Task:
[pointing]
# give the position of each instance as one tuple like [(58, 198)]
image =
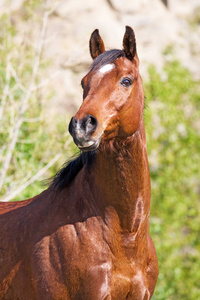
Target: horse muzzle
[(82, 132)]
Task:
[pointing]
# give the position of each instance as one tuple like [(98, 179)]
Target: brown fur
[(89, 239)]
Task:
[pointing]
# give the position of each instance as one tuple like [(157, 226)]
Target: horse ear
[(96, 44), (129, 44)]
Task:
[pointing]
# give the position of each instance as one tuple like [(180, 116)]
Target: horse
[(87, 235)]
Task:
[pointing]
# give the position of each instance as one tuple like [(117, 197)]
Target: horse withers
[(87, 236)]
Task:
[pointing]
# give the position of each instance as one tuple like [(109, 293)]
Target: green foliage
[(173, 141), (39, 139)]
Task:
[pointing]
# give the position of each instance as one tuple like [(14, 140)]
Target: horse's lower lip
[(90, 146)]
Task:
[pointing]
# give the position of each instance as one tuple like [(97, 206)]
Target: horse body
[(87, 237)]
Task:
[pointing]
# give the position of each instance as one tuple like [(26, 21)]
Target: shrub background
[(173, 141)]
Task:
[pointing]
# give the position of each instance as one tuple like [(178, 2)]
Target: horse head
[(113, 98)]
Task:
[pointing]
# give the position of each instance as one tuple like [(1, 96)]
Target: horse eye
[(126, 81)]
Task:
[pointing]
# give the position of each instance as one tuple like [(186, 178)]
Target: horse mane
[(70, 169)]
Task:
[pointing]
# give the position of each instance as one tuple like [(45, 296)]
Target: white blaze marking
[(106, 68)]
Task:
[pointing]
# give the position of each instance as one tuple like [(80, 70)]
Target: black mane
[(105, 58), (71, 168)]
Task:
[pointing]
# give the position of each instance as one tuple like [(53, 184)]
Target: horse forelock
[(105, 58)]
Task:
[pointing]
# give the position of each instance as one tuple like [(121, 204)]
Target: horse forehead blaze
[(106, 68), (121, 67)]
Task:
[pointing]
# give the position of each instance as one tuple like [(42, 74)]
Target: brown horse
[(87, 235)]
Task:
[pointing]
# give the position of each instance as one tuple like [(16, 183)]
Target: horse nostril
[(72, 125), (90, 124)]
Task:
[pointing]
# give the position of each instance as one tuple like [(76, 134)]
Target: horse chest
[(81, 265)]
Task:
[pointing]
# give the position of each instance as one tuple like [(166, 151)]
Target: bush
[(173, 142), (29, 141)]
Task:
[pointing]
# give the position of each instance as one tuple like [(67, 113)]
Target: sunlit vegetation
[(173, 141)]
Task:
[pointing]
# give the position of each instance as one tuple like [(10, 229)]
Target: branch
[(6, 89), (46, 81), (31, 180), (17, 80), (14, 193), (19, 122)]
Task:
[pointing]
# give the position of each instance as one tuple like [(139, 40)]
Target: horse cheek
[(131, 120)]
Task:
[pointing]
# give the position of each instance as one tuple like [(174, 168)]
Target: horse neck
[(120, 180)]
